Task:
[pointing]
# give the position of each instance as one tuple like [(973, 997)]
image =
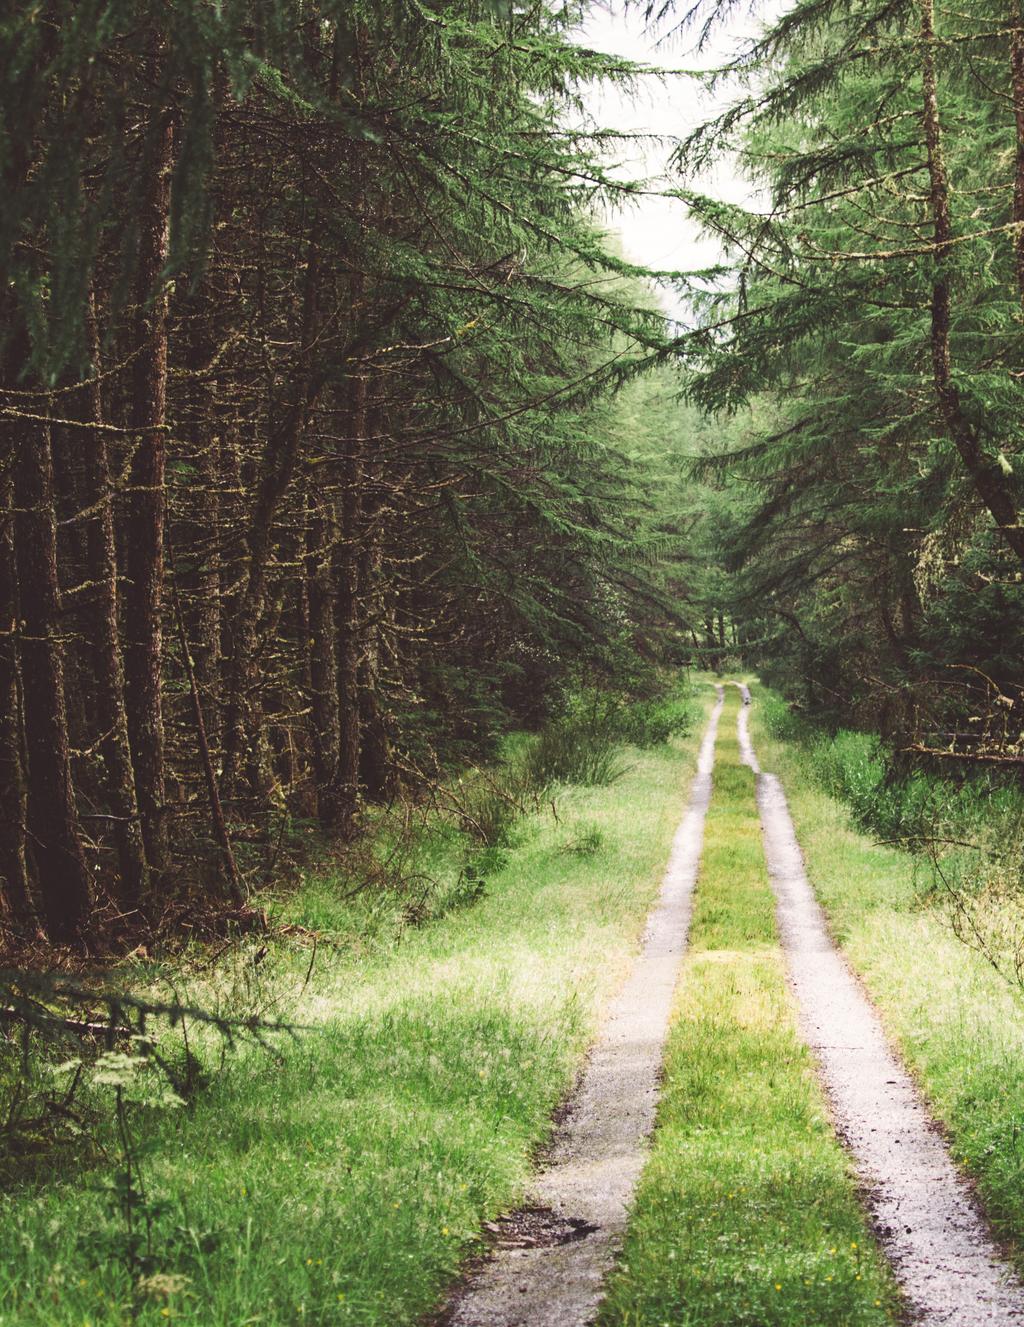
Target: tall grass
[(582, 746), (343, 1176), (898, 803)]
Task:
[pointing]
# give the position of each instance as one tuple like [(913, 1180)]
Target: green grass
[(959, 1025), (746, 1212), (345, 1179)]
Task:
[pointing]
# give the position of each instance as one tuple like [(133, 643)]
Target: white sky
[(655, 231)]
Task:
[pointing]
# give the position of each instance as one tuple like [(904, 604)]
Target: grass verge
[(344, 1179), (746, 1212), (958, 1024)]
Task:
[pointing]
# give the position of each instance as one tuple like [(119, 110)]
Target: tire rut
[(553, 1276), (923, 1210)]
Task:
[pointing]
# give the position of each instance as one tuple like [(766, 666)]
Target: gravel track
[(550, 1258), (923, 1209)]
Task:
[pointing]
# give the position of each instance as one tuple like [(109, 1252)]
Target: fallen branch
[(980, 757), (80, 1027)]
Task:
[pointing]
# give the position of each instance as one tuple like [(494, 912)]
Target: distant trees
[(306, 487)]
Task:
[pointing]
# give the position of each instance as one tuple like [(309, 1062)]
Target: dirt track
[(551, 1258), (922, 1208)]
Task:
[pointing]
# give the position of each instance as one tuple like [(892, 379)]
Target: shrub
[(850, 765), (490, 803), (915, 806), (580, 746), (650, 723), (577, 748), (781, 720), (979, 885)]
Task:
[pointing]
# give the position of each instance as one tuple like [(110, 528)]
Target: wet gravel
[(922, 1207), (550, 1259)]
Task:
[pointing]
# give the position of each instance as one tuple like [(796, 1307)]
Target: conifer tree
[(869, 310)]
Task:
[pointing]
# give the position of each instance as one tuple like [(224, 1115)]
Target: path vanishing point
[(551, 1258)]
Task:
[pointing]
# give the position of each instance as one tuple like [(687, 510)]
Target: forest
[(380, 533), (308, 466)]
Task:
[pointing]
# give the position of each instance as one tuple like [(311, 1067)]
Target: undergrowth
[(583, 746), (966, 834), (899, 803)]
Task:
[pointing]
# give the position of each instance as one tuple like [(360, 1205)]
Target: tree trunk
[(208, 591), (144, 546), (323, 678), (14, 883), (1017, 86), (108, 680), (17, 165), (344, 796), (220, 829), (203, 575), (208, 319), (243, 729), (52, 814), (376, 773), (992, 485)]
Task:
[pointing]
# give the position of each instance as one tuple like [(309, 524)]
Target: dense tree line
[(865, 334), (324, 458), (309, 480)]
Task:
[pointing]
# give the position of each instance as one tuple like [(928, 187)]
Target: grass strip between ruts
[(747, 1212)]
